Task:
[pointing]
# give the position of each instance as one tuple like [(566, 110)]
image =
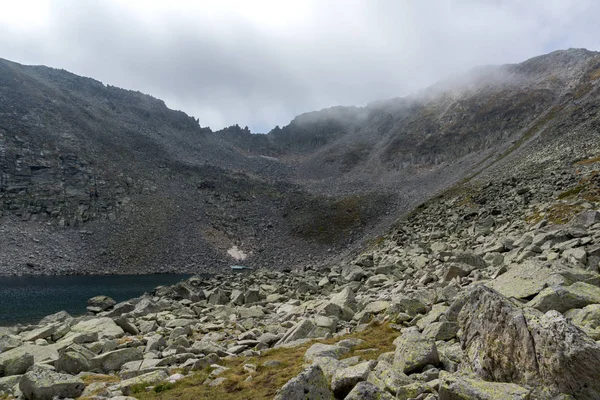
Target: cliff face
[(99, 179)]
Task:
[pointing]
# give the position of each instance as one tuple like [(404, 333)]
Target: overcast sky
[(261, 62)]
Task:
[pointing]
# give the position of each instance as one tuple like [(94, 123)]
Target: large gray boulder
[(16, 365), (310, 384), (454, 387), (148, 379), (525, 280), (105, 328), (318, 350), (345, 379), (505, 342), (368, 391), (74, 360), (563, 298), (100, 303), (414, 351), (114, 360), (44, 384), (299, 331)]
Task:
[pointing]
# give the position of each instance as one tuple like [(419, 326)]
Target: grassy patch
[(557, 214), (89, 379), (589, 161), (266, 381)]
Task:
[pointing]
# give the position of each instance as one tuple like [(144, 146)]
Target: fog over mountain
[(261, 63)]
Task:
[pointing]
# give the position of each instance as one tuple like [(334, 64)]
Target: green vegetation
[(267, 379)]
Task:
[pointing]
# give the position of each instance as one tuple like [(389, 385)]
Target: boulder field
[(511, 314)]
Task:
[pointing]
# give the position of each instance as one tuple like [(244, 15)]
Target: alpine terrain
[(440, 246)]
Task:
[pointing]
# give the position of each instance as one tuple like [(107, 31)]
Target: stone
[(252, 296), (126, 325), (368, 391), (43, 384), (208, 347), (586, 218), (310, 384), (42, 332), (114, 360), (353, 273), (408, 305), (345, 298), (389, 378), (60, 316), (563, 298), (100, 303), (155, 343), (454, 387), (577, 255), (376, 307), (9, 384), (74, 360), (442, 330), (344, 380), (588, 320), (9, 342), (411, 391), (16, 365), (105, 328), (505, 342), (250, 312), (301, 330), (40, 353), (318, 350), (414, 351), (525, 280), (219, 297), (149, 379), (454, 270)]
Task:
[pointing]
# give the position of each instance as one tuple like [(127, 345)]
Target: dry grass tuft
[(267, 380)]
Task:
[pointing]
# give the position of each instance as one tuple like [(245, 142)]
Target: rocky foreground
[(491, 293)]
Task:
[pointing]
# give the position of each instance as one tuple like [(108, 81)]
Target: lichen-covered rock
[(588, 319), (16, 365), (505, 342), (408, 305), (454, 387), (525, 280), (442, 330), (563, 298), (150, 378), (345, 379), (325, 350), (105, 328), (100, 303), (414, 351), (386, 377), (74, 360), (310, 384), (367, 391), (41, 383), (301, 330), (114, 360)]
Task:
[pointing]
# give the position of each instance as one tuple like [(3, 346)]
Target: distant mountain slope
[(100, 179)]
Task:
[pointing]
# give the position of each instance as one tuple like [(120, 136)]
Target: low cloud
[(260, 63)]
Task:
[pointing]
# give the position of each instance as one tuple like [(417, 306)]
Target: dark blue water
[(26, 299)]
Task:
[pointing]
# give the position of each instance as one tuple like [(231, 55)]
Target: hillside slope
[(97, 179)]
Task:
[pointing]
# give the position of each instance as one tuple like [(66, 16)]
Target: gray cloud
[(261, 63)]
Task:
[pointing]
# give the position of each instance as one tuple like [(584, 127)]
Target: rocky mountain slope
[(489, 291), (96, 179)]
